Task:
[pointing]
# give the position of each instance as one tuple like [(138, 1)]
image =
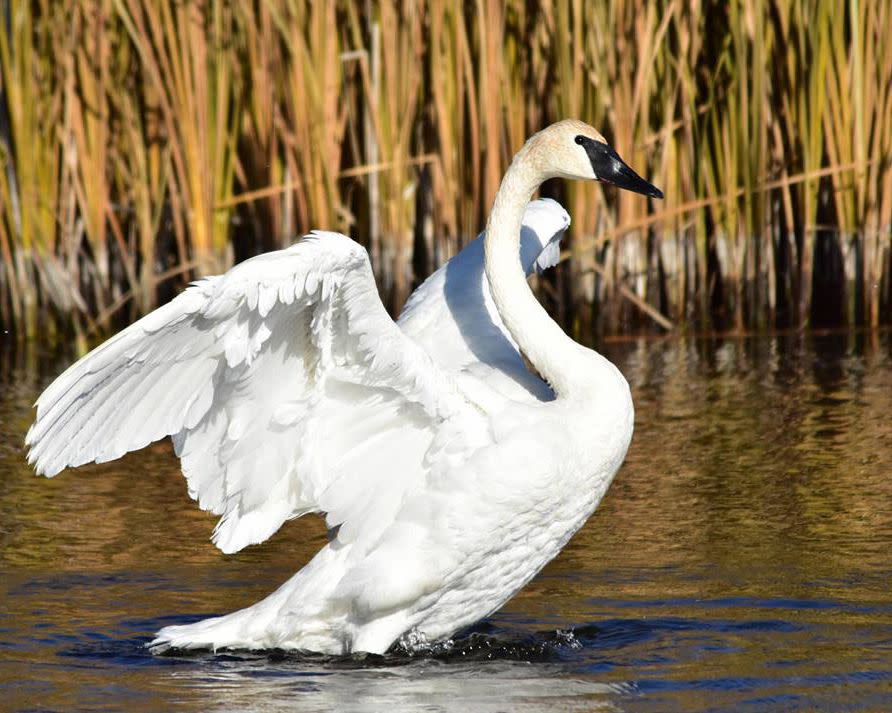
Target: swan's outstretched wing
[(453, 316), (266, 377)]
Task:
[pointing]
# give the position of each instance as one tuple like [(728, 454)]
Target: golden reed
[(144, 143)]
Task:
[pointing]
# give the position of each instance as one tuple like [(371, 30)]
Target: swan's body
[(449, 478)]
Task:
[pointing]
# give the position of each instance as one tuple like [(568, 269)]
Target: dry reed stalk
[(185, 54), (314, 114), (142, 168), (31, 157), (685, 243), (575, 97), (845, 136), (491, 77), (447, 99), (802, 49), (87, 142), (876, 227), (627, 39), (259, 161), (86, 103), (395, 107), (453, 89)]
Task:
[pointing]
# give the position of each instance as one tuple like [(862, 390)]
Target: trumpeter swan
[(287, 389)]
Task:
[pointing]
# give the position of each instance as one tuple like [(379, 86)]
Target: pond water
[(741, 561)]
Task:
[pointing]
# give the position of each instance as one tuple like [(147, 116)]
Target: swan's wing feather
[(544, 223), (257, 375), (81, 414), (453, 316)]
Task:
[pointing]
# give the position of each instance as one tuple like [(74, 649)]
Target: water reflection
[(741, 558), (498, 686)]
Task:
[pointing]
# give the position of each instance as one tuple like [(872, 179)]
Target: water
[(741, 561)]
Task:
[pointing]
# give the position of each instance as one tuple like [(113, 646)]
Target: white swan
[(287, 389)]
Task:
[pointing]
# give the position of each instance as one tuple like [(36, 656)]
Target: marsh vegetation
[(143, 144)]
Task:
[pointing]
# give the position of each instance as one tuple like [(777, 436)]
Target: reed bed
[(145, 143)]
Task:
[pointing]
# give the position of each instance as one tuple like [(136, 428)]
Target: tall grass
[(143, 144)]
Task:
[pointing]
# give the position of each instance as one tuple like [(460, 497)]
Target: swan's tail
[(219, 632), (241, 631), (296, 616)]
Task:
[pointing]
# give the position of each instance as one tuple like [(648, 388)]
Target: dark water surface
[(741, 561)]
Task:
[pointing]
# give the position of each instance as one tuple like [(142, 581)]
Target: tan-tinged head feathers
[(573, 149)]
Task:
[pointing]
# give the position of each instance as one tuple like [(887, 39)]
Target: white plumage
[(448, 472)]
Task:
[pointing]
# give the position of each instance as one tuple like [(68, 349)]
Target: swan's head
[(573, 149)]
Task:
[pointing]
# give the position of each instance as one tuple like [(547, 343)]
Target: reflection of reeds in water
[(142, 144), (750, 451)]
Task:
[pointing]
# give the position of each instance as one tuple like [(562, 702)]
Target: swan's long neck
[(559, 359)]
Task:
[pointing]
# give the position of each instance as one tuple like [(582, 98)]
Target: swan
[(447, 483)]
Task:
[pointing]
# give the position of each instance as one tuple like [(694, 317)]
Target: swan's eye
[(579, 139)]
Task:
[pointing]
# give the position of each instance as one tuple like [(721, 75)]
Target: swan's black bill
[(610, 168)]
